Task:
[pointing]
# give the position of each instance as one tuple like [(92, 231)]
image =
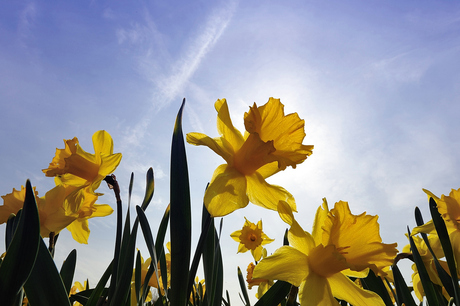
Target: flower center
[(326, 260), (251, 237), (79, 166), (253, 154)]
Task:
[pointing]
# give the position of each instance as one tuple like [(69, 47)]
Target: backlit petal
[(316, 291), (101, 210), (320, 217), (13, 202), (287, 264), (343, 288), (215, 144), (226, 192), (297, 237), (225, 126), (80, 230), (265, 195), (287, 132), (359, 238), (103, 143)]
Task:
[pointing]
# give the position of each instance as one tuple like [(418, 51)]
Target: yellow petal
[(236, 235), (449, 208), (265, 195), (269, 169), (101, 210), (215, 144), (103, 143), (455, 240), (320, 218), (343, 288), (287, 132), (298, 238), (253, 154), (430, 195), (225, 126), (53, 216), (326, 260), (359, 239), (13, 202), (226, 192), (287, 264), (109, 164), (80, 230), (427, 228), (257, 253), (316, 291)]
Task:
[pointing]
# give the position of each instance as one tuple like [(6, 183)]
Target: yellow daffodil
[(62, 207), (251, 237), (272, 142), (340, 244), (76, 167)]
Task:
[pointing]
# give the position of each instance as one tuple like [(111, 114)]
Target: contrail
[(170, 86)]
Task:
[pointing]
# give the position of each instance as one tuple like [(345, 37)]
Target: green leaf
[(445, 278), (126, 263), (149, 188), (180, 215), (159, 249), (243, 288), (428, 287), (275, 294), (68, 270), (149, 242), (22, 252), (375, 284), (118, 236), (11, 226), (44, 276), (100, 290), (206, 223), (446, 246), (137, 276), (403, 294)]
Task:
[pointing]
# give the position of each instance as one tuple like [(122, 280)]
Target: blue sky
[(377, 83)]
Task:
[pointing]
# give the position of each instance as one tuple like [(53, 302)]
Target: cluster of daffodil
[(342, 260), (72, 202)]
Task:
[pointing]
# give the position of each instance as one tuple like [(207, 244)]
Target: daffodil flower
[(251, 237), (76, 167), (272, 142), (62, 207), (341, 244)]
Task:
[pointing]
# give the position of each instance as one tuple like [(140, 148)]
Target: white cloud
[(405, 67)]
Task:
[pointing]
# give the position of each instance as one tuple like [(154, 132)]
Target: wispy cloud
[(170, 86), (215, 26), (26, 23), (405, 67)]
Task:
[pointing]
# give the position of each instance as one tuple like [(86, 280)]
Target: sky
[(377, 83)]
